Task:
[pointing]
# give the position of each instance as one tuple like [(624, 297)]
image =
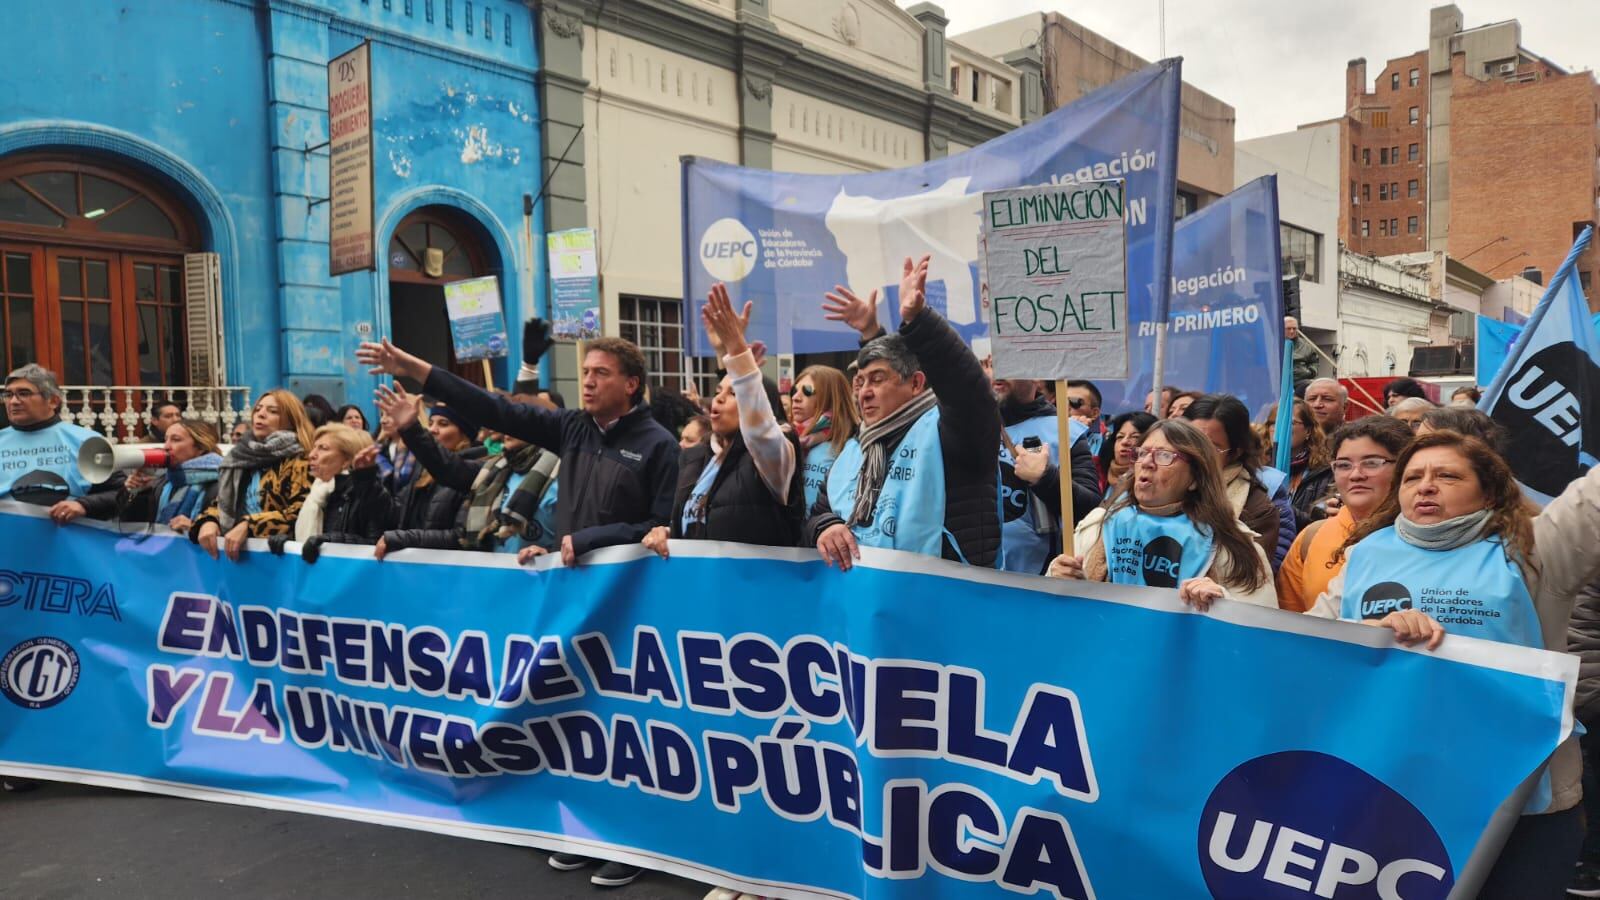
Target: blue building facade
[(136, 135)]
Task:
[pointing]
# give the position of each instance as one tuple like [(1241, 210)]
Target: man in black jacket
[(1030, 480), (618, 467), (922, 473)]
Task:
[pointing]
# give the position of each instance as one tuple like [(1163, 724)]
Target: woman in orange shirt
[(1364, 452)]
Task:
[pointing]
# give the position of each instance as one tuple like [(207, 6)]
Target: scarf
[(185, 489), (875, 440), (1446, 535), (814, 432), (483, 505), (248, 457), (308, 524), (1299, 459)]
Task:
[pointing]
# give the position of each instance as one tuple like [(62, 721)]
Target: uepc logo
[(728, 250), (39, 672), (1301, 823)]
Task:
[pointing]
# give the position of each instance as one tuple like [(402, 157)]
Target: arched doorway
[(430, 248), (92, 272)]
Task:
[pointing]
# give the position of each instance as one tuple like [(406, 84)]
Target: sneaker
[(566, 862), (19, 785), (614, 874), (721, 894), (1586, 882)]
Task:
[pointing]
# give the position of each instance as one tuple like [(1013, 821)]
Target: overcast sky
[(1281, 64)]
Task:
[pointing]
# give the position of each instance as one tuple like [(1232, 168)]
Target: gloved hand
[(275, 543), (311, 549), (535, 340)]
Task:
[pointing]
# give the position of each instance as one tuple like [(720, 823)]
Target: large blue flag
[(783, 239), (912, 728), (1546, 393), (1494, 340), (1225, 331)]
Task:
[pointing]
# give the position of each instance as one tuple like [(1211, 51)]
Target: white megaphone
[(98, 458)]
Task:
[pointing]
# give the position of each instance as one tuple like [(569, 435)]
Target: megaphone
[(98, 459)]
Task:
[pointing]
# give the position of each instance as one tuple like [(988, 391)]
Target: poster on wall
[(351, 247), (574, 284), (477, 326), (1054, 262)]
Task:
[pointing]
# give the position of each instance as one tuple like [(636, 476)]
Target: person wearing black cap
[(422, 500)]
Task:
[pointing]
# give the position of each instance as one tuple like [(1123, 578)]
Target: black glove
[(311, 549), (275, 543), (535, 340)]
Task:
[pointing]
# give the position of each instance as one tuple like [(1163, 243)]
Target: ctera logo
[(45, 592), (1383, 598), (728, 250), (39, 672), (1300, 823)]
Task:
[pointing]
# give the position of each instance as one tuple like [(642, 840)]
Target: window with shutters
[(92, 272)]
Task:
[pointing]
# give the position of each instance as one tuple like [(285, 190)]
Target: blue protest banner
[(921, 729), (783, 239), (1225, 332), (1493, 343)]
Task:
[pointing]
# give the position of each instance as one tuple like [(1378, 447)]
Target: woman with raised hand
[(824, 419), (1364, 452), (1173, 527), (1455, 540), (264, 479), (742, 484)]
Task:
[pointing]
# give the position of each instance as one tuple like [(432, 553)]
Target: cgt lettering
[(1306, 863), (43, 592)]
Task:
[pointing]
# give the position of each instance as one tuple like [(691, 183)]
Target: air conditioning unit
[(1434, 360), (1509, 68)]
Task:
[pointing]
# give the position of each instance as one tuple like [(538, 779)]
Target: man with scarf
[(509, 494), (922, 474), (39, 451), (1030, 477)]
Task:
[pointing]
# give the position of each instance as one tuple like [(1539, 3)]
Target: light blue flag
[(1283, 429), (1546, 392), (1493, 343), (783, 239)]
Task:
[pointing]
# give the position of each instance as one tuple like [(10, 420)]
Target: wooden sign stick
[(1064, 439)]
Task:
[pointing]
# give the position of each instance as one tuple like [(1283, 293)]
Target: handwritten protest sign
[(1054, 262)]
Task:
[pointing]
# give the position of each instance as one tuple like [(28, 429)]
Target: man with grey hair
[(1305, 355), (922, 473), (1327, 399), (39, 451)]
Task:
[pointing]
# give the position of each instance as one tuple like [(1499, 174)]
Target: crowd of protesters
[(914, 448)]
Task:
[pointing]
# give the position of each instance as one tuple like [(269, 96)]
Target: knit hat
[(467, 426)]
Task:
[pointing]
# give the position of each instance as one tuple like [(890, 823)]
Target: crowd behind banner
[(1411, 521)]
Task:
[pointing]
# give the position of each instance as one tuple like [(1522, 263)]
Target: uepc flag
[(783, 240), (1547, 394), (910, 729), (1225, 330)]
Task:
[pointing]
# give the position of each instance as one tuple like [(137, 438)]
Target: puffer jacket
[(357, 512), (435, 523), (1583, 639), (969, 438), (1314, 486)]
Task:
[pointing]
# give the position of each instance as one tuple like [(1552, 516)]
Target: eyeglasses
[(1075, 402), (1162, 456), (24, 396), (808, 389), (1368, 464)]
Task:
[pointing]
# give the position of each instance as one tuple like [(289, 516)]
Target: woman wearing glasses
[(1174, 528), (824, 415), (1364, 452)]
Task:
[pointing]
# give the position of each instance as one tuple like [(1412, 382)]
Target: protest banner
[(574, 284), (921, 728), (783, 239), (477, 326), (1055, 290)]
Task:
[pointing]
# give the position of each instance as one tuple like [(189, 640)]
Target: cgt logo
[(728, 250), (1301, 823), (39, 672), (1384, 598)]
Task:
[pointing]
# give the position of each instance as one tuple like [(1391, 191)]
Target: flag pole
[(1283, 428)]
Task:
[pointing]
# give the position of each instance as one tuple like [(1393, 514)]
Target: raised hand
[(914, 288), (386, 358), (395, 402), (842, 305), (724, 330), (366, 459)]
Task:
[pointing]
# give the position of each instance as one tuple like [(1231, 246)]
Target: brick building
[(1474, 146)]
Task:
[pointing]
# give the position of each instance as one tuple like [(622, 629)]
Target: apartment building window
[(1583, 280), (1383, 228), (1394, 227), (1383, 156), (1411, 225), (1394, 82), (975, 75), (1411, 188), (1366, 228), (1366, 156), (1187, 202), (1412, 115), (1415, 77), (1356, 157), (1366, 193), (1394, 154), (1413, 151), (1301, 249), (1394, 190), (1354, 198), (655, 324), (1383, 192)]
